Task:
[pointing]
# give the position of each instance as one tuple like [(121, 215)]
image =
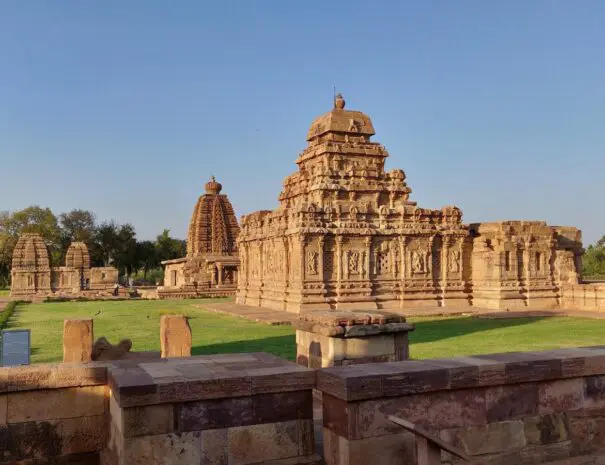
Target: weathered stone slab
[(56, 403), (175, 336), (259, 443), (77, 341), (511, 402)]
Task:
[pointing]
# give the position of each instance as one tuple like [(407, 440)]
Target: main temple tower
[(347, 235)]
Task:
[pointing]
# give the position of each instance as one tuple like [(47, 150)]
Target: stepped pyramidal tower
[(346, 235)]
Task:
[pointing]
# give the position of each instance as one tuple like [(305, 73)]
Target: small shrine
[(212, 261)]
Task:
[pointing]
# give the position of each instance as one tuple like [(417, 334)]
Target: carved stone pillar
[(320, 260), (403, 243), (429, 258), (220, 273), (368, 250), (339, 259), (303, 259), (213, 276), (286, 265), (446, 244)]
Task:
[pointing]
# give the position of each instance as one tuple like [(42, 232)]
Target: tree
[(169, 248), (146, 257), (78, 225), (594, 260), (115, 245)]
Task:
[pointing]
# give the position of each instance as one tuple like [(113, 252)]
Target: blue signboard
[(15, 347)]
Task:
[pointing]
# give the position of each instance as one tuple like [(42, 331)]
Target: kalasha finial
[(213, 187), (339, 101)]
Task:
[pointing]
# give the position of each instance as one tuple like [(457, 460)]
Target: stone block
[(547, 429), (175, 336), (147, 421), (434, 411), (339, 416), (587, 435), (402, 346), (487, 439), (370, 346), (173, 449), (56, 404), (77, 341), (391, 449), (259, 443), (214, 447), (511, 402), (561, 395), (594, 391), (33, 440), (546, 453), (83, 434)]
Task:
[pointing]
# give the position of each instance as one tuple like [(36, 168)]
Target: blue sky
[(127, 107)]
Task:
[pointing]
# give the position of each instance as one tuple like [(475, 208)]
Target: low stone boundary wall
[(53, 412), (231, 409), (524, 408), (587, 297)]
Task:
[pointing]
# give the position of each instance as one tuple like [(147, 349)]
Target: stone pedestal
[(335, 338), (77, 341), (175, 336)]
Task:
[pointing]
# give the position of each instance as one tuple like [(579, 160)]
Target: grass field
[(212, 333), (4, 292)]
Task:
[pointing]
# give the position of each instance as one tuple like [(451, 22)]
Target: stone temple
[(347, 235), (32, 274), (212, 261)]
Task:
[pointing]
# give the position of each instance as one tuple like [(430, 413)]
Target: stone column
[(339, 259), (303, 258), (320, 259), (213, 275), (220, 273), (175, 336), (429, 258), (77, 341), (368, 246)]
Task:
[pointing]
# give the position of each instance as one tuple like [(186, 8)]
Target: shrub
[(7, 313)]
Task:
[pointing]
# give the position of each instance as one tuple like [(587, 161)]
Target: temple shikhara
[(33, 276), (347, 235), (212, 261)]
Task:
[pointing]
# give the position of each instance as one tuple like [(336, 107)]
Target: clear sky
[(126, 107)]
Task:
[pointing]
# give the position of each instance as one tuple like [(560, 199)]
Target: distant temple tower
[(212, 262), (30, 272)]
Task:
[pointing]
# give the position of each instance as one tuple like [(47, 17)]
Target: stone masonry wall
[(524, 408), (585, 297), (53, 412)]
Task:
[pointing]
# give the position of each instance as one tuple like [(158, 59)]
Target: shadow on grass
[(281, 346), (438, 330)]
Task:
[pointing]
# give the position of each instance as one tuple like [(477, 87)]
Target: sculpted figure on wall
[(418, 261), (454, 261), (312, 262)]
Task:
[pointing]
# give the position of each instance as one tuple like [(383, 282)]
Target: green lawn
[(4, 292), (212, 333), (140, 322)]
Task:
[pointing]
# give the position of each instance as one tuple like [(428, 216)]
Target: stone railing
[(524, 408)]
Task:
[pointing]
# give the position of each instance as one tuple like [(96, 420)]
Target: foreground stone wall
[(230, 409), (524, 408), (53, 412)]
